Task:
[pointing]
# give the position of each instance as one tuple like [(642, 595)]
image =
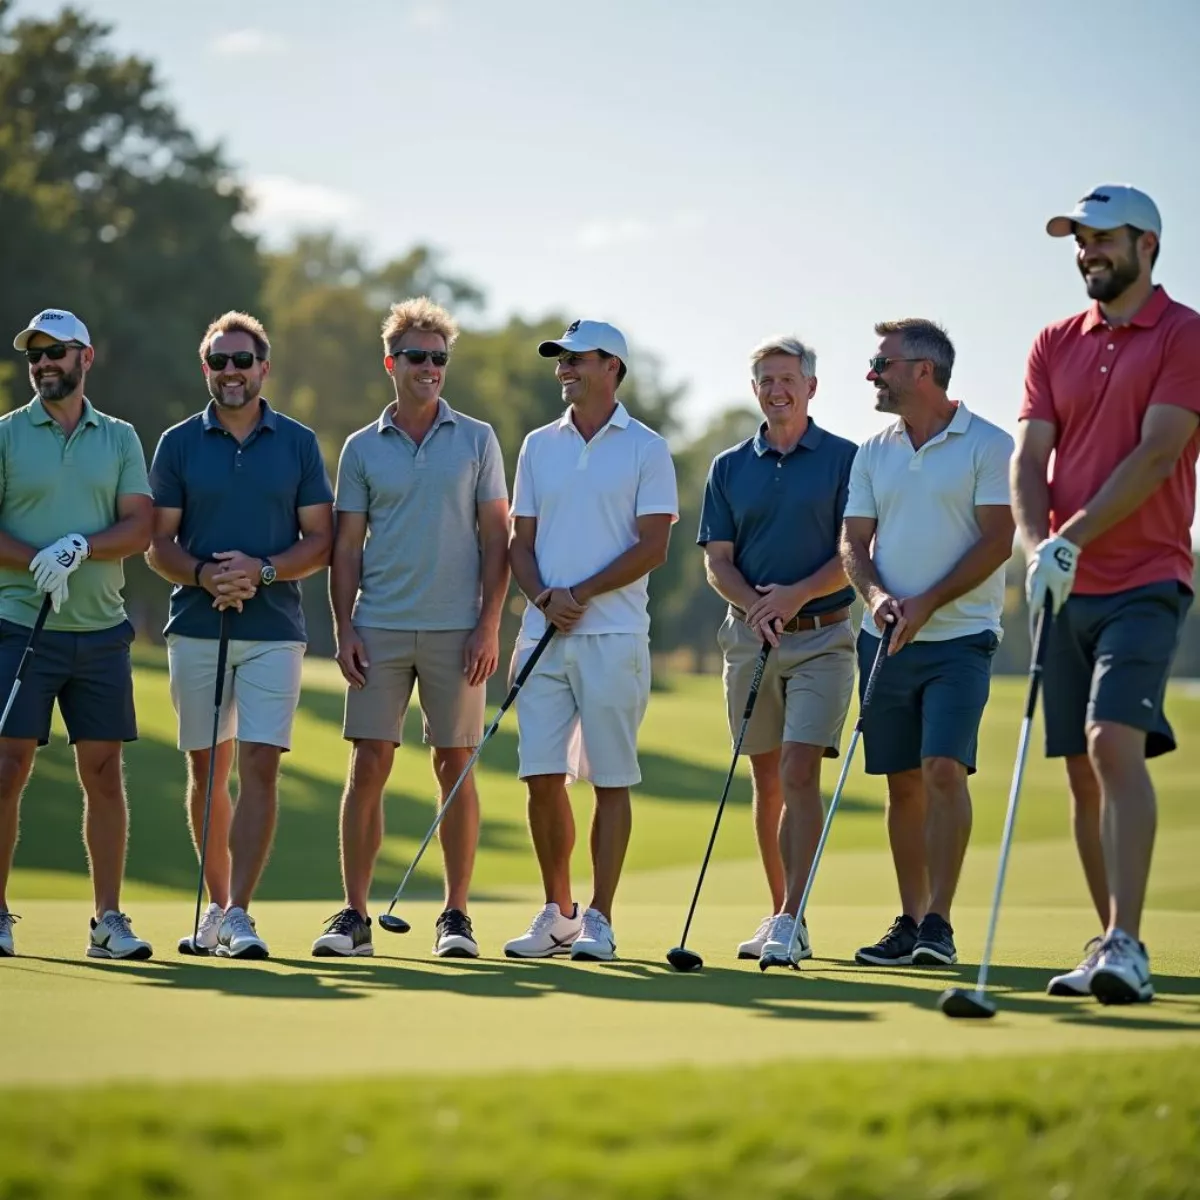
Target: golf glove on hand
[(52, 565), (1051, 573), (58, 594)]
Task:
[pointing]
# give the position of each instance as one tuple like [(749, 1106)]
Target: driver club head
[(966, 1004), (393, 923), (684, 960), (776, 960)]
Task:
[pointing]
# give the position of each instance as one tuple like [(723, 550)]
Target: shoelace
[(119, 923), (8, 920), (1091, 952), (593, 928), (241, 925), (781, 928), (896, 933), (343, 922), (211, 918), (542, 922), (763, 930), (455, 923)]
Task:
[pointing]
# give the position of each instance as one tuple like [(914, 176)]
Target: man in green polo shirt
[(74, 503)]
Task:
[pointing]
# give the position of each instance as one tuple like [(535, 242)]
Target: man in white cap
[(593, 505), (74, 502), (1114, 394)]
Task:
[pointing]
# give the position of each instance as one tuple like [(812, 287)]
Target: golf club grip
[(881, 653), (530, 663), (755, 684), (31, 645), (222, 658), (1041, 644), (43, 613)]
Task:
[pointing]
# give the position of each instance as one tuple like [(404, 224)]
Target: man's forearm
[(640, 559), (127, 537), (166, 557), (304, 557), (14, 553), (1031, 502), (495, 580), (831, 577), (729, 583), (525, 571), (860, 570), (1137, 478), (976, 565), (345, 576)]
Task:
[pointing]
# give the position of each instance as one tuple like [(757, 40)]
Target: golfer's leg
[(612, 823), (947, 829), (906, 816), (459, 830), (800, 831), (374, 724), (106, 819), (1085, 823), (16, 765), (769, 819), (253, 826), (552, 828), (216, 857)]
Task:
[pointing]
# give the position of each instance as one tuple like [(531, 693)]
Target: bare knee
[(99, 766), (258, 764), (1115, 750), (800, 771), (449, 762), (16, 761), (1085, 787), (544, 789), (371, 764), (944, 778)]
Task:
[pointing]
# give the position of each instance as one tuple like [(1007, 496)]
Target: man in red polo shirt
[(1114, 394)]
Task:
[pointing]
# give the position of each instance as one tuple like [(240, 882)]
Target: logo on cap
[(1097, 196), (574, 325), (51, 315)]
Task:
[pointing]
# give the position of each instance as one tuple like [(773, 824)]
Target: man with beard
[(1114, 394), (769, 527), (64, 466), (242, 511), (931, 491)]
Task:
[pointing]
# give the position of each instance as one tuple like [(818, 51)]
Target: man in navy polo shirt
[(770, 524), (243, 511)]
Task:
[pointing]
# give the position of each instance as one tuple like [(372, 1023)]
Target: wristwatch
[(268, 573), (200, 567)]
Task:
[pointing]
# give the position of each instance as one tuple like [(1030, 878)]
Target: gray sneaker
[(7, 920)]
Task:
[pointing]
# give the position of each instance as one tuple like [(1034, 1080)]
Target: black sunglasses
[(55, 352), (417, 357), (881, 362), (243, 360)]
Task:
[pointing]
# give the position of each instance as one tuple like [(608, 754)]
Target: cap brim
[(1060, 226), (1065, 226), (21, 341), (553, 349)]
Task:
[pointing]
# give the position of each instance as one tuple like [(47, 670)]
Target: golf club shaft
[(755, 684), (1041, 640), (30, 650), (518, 683), (218, 693), (881, 653)]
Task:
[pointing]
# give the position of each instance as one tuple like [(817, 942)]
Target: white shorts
[(258, 704), (579, 712)]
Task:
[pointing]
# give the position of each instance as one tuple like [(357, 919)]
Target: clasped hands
[(231, 579)]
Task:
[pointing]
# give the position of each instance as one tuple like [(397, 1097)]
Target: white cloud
[(607, 233), (242, 43), (279, 200)]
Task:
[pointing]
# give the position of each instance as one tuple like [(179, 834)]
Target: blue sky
[(707, 174)]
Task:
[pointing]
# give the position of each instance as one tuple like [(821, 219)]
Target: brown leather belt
[(797, 624)]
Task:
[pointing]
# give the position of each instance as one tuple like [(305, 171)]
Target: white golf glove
[(58, 594), (1051, 573), (53, 565)]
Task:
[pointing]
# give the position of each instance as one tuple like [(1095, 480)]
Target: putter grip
[(222, 657), (531, 661), (885, 641), (756, 680), (43, 613), (1040, 645)]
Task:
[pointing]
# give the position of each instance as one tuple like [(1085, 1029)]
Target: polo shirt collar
[(1146, 317), (959, 423), (810, 440), (39, 416), (619, 419), (445, 415), (267, 419)]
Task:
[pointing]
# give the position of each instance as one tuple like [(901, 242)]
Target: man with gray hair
[(769, 526), (927, 532)]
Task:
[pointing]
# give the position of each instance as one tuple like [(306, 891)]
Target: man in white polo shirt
[(932, 492), (593, 504)]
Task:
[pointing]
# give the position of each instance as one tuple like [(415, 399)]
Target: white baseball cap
[(56, 323), (588, 335), (1109, 206)]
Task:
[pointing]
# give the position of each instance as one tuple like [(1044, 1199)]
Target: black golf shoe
[(455, 938), (935, 943), (894, 949), (347, 934)]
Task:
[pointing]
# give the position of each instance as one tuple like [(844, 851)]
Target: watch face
[(268, 574)]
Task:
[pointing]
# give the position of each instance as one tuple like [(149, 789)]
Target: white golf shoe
[(1078, 981), (752, 947), (778, 943), (238, 937), (596, 941), (1122, 975), (549, 934), (113, 937), (7, 919), (206, 935)]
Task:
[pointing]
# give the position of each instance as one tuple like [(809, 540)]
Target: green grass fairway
[(403, 1075)]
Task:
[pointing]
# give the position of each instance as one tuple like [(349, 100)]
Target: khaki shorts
[(579, 712), (261, 690), (451, 709), (805, 690)]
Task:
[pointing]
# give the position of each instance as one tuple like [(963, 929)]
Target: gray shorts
[(928, 702), (1108, 660)]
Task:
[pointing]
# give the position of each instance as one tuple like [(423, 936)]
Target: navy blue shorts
[(929, 699), (1109, 659), (89, 674)]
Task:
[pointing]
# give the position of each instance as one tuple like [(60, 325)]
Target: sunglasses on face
[(54, 353), (881, 362), (243, 360), (439, 357)]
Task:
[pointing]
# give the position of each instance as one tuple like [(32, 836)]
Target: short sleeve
[(524, 490), (353, 494), (166, 482), (843, 486), (133, 480), (1037, 404), (1178, 383), (716, 515), (991, 470), (314, 480), (491, 484), (860, 498), (657, 493)]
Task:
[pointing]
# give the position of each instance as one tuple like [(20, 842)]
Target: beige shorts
[(451, 709), (579, 712), (806, 687), (261, 690)]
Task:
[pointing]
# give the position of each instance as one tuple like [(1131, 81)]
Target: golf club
[(680, 957), (787, 960), (191, 945), (961, 1002), (389, 920), (28, 653)]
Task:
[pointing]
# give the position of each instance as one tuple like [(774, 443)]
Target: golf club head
[(188, 946), (684, 960), (966, 1003), (393, 923), (776, 960)]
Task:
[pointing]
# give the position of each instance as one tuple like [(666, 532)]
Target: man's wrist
[(199, 569)]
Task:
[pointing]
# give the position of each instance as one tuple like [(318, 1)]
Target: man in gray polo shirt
[(420, 572), (74, 503), (769, 526), (242, 512), (927, 532)]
